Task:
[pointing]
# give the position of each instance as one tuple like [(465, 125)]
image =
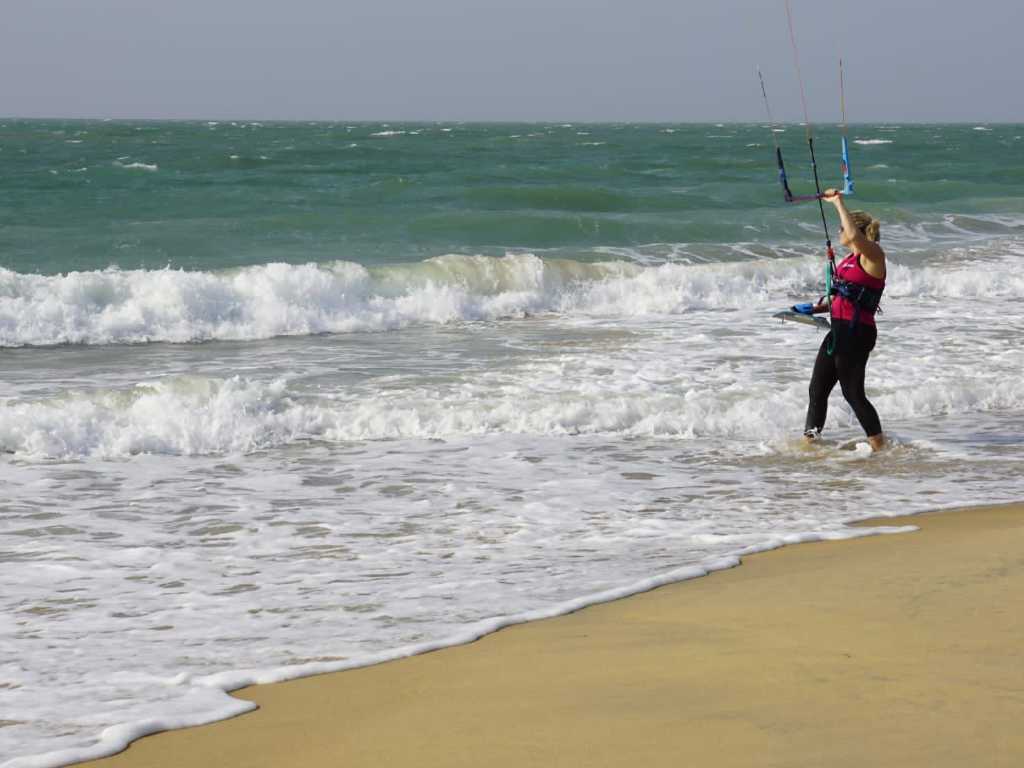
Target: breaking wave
[(169, 305), (192, 415)]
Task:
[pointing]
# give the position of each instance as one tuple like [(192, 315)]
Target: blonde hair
[(866, 224)]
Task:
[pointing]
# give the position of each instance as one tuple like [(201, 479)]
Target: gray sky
[(629, 60)]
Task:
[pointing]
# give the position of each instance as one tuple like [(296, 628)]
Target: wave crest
[(119, 307), (194, 416), (168, 305)]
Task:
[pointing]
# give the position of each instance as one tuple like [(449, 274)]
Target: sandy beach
[(901, 650)]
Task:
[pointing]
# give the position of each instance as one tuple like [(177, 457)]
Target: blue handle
[(847, 177)]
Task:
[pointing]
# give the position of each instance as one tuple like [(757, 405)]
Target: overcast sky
[(616, 60)]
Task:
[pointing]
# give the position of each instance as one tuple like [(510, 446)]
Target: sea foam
[(115, 306), (138, 166), (168, 305)]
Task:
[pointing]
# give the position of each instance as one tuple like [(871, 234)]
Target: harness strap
[(860, 296)]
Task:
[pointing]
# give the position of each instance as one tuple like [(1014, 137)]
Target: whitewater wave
[(181, 416), (970, 278), (138, 166), (196, 415), (168, 305), (114, 306)]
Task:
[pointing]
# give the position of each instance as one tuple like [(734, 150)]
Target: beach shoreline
[(252, 436), (880, 650)]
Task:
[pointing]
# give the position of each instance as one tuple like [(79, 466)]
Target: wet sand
[(903, 650)]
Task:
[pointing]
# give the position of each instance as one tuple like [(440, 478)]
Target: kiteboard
[(789, 316)]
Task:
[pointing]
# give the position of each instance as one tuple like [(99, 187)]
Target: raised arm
[(856, 239)]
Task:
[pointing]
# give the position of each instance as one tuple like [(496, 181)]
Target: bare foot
[(877, 442)]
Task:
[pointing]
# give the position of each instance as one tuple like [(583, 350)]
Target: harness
[(859, 295)]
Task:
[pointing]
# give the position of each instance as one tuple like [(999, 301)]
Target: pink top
[(850, 270)]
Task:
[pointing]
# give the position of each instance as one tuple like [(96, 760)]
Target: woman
[(857, 288)]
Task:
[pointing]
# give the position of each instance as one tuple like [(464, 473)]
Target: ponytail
[(866, 224)]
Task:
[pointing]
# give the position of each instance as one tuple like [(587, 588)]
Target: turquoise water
[(277, 399), (206, 196)]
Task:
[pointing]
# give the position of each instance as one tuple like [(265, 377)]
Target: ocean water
[(283, 398)]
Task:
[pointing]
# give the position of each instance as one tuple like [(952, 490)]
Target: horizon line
[(454, 121)]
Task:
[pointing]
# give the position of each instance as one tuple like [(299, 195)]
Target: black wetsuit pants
[(846, 365)]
